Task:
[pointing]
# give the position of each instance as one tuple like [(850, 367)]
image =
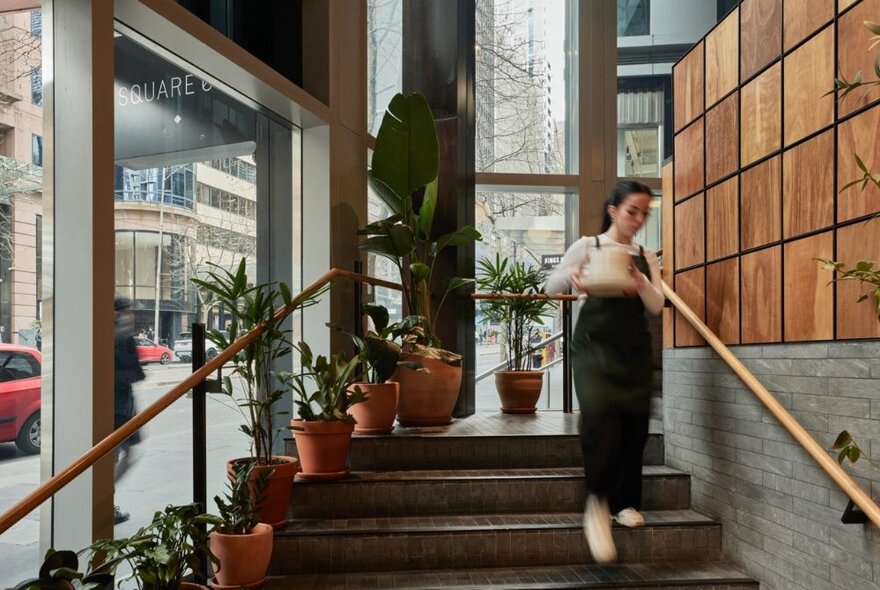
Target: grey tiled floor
[(704, 575), (494, 474)]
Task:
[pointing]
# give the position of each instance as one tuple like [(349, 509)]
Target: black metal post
[(567, 402), (358, 301), (200, 438)]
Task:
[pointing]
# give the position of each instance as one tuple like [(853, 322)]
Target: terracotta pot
[(376, 415), (244, 559), (519, 390), (427, 399), (191, 586), (277, 494), (322, 448)]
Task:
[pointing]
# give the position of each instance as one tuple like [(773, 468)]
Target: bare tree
[(21, 52), (384, 47), (515, 132)]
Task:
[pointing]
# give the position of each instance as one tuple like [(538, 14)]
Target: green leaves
[(517, 316), (321, 388), (864, 271), (240, 508), (407, 151)]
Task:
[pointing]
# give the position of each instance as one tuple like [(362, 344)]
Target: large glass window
[(384, 57), (632, 17), (524, 85), (21, 208), (532, 228)]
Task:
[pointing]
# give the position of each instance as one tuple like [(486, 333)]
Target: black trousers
[(612, 442)]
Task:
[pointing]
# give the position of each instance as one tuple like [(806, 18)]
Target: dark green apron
[(611, 351)]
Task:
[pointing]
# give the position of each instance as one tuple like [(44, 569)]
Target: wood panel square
[(762, 296), (761, 115), (809, 299), (761, 198), (859, 135), (722, 219), (689, 161), (803, 17), (687, 83), (808, 186), (860, 241), (690, 286), (853, 40), (667, 214), (722, 64), (722, 139), (690, 223), (842, 4), (760, 34), (722, 302), (809, 74)]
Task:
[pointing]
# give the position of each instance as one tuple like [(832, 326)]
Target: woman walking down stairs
[(491, 501)]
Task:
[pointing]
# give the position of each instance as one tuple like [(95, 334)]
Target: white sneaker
[(597, 530), (630, 517)]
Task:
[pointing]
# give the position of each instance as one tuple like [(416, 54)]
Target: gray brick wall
[(780, 512)]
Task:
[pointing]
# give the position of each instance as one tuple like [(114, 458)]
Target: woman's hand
[(574, 277), (640, 279)]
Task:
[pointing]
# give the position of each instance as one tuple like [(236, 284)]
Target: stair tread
[(488, 522), (480, 474), (631, 575)]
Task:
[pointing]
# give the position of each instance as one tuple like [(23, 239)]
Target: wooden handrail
[(52, 485), (820, 455)]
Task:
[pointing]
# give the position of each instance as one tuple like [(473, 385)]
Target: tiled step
[(457, 542), (397, 452), (458, 492), (676, 576)]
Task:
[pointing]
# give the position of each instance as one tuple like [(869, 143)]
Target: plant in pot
[(260, 392), (518, 387), (381, 357), (60, 571), (323, 393), (162, 554), (404, 173), (241, 543)]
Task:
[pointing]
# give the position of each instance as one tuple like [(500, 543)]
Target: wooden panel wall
[(761, 157)]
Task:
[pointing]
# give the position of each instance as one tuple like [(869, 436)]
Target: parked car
[(183, 347), (20, 396), (151, 352)]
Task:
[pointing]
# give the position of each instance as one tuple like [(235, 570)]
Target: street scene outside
[(161, 472)]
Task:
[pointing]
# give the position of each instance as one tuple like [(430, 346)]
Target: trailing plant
[(251, 306), (517, 316), (240, 509), (322, 390), (404, 174), (162, 553), (60, 571), (867, 272), (849, 450)]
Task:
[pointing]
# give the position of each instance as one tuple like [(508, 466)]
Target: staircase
[(493, 501)]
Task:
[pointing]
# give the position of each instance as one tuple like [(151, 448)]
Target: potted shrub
[(381, 357), (249, 306), (60, 571), (241, 543), (162, 554), (518, 387), (404, 173), (323, 394)]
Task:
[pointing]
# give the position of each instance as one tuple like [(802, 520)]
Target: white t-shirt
[(578, 256)]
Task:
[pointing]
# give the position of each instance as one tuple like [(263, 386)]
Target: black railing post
[(199, 426), (567, 402), (358, 301)]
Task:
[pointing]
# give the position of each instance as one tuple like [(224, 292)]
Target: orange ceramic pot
[(427, 398), (244, 559), (277, 494), (519, 390), (376, 415), (322, 448)]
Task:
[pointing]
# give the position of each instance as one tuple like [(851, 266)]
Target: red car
[(150, 352), (20, 396)]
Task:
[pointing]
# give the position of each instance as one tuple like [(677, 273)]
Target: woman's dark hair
[(623, 189)]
